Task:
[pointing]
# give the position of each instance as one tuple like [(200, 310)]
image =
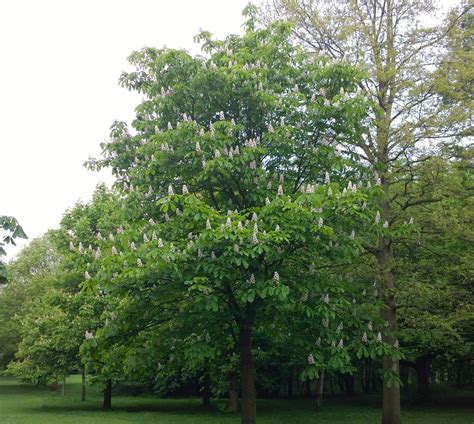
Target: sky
[(59, 93)]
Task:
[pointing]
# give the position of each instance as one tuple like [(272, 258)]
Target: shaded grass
[(26, 404)]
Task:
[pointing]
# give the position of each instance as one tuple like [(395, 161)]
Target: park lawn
[(26, 404)]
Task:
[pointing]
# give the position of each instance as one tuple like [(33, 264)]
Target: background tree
[(400, 57), (9, 231)]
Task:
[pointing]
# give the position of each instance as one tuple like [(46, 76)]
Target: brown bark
[(319, 391), (233, 392), (247, 377), (107, 404), (206, 391)]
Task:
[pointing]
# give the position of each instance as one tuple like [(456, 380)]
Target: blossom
[(396, 345), (213, 255), (270, 128), (157, 129), (114, 250), (340, 345), (252, 279), (200, 255), (325, 298), (339, 328), (89, 335), (132, 246), (71, 246), (327, 178), (151, 222), (280, 190), (217, 154), (228, 223), (111, 237), (254, 217), (120, 230), (311, 360), (325, 322), (160, 243), (318, 341), (377, 217), (170, 127), (236, 248), (385, 224), (276, 277), (352, 236), (221, 115), (99, 236), (379, 337), (145, 238), (185, 189), (364, 337), (269, 185), (320, 222), (254, 238), (253, 165), (239, 226), (304, 297), (87, 275), (329, 192), (170, 190), (208, 224), (98, 253), (277, 228), (369, 326), (201, 133), (411, 221), (80, 248), (139, 263)]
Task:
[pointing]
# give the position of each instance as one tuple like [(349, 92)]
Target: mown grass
[(26, 404)]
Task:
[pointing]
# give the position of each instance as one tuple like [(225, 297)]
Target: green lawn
[(24, 404)]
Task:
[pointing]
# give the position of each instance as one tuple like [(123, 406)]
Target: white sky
[(59, 67)]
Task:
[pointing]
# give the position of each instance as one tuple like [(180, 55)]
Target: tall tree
[(230, 184), (10, 229), (399, 54)]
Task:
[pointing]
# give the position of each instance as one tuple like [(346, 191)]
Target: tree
[(398, 54), (30, 276), (230, 184), (9, 231)]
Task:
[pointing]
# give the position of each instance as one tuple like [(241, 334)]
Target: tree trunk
[(107, 405), (206, 390), (319, 391), (247, 377), (233, 392), (391, 395), (422, 368), (349, 384), (83, 384), (290, 382)]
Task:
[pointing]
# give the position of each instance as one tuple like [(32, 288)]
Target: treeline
[(282, 223)]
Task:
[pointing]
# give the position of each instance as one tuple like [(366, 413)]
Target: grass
[(26, 404)]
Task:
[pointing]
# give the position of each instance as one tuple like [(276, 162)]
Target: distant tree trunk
[(83, 384), (206, 390), (290, 382), (367, 375), (233, 392), (319, 391), (349, 384), (422, 368), (249, 409), (107, 405)]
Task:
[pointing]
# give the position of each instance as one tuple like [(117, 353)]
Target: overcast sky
[(60, 63)]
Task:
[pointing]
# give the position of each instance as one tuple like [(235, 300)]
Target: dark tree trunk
[(319, 391), (206, 391), (404, 373), (247, 377), (83, 384), (233, 392), (422, 368), (107, 404), (349, 384), (290, 382)]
